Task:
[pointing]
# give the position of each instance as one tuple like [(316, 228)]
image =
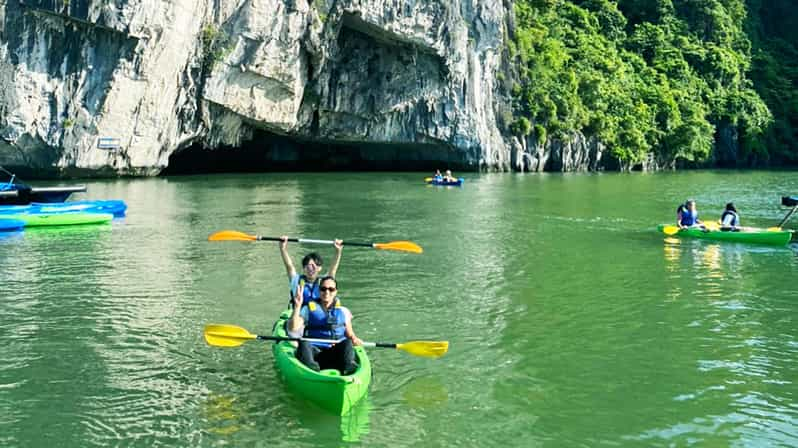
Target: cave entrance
[(270, 152)]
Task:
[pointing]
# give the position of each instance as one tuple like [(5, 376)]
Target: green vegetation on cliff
[(773, 27), (661, 78)]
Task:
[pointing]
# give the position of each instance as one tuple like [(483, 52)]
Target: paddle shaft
[(378, 344), (303, 240), (787, 218), (326, 341), (283, 338)]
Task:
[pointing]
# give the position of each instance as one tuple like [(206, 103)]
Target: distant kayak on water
[(455, 183), (747, 235), (729, 230)]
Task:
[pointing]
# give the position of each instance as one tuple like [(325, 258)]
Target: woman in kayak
[(308, 282), (730, 220), (324, 318), (438, 176), (687, 215), (448, 177)]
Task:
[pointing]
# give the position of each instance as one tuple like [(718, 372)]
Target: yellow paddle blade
[(670, 230), (427, 179), (711, 225), (404, 246), (231, 235), (226, 335), (774, 229), (427, 349)]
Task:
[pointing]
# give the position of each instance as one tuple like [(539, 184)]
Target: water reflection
[(425, 392), (738, 356), (221, 415), (240, 418)]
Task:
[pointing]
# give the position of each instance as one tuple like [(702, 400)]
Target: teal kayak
[(747, 235), (327, 389), (61, 219)]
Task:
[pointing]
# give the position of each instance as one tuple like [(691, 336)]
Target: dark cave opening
[(268, 152)]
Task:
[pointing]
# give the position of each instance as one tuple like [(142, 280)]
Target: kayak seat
[(330, 372)]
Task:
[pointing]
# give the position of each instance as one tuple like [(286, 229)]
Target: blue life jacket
[(325, 325), (687, 218), (310, 291), (735, 218)]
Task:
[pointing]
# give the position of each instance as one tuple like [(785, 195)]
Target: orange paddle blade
[(232, 235), (404, 246)]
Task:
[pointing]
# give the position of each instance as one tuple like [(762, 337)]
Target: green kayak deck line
[(327, 389), (749, 235), (62, 219)]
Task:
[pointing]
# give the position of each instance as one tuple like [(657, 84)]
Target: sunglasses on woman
[(327, 288)]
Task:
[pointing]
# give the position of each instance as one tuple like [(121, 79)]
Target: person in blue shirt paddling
[(438, 176), (687, 215), (324, 318), (730, 220), (308, 281)]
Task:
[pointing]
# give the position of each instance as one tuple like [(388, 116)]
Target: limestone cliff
[(117, 87)]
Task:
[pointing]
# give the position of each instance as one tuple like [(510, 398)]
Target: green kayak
[(327, 389), (748, 235), (61, 219)]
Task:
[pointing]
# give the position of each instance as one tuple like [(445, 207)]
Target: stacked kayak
[(454, 183), (11, 225), (58, 219), (328, 389), (747, 235), (114, 207)]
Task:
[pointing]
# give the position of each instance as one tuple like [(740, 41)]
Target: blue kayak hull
[(457, 183), (114, 207), (11, 225)]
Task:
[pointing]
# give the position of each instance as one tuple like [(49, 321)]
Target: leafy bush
[(655, 76)]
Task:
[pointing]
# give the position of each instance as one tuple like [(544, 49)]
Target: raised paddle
[(233, 235), (220, 335)]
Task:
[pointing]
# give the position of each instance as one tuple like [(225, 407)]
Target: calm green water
[(571, 321)]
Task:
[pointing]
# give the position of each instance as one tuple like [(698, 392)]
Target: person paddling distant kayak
[(324, 318), (448, 177), (687, 215), (438, 176), (730, 220), (311, 270)]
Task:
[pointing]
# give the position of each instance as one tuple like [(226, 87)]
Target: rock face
[(578, 153), (93, 86)]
